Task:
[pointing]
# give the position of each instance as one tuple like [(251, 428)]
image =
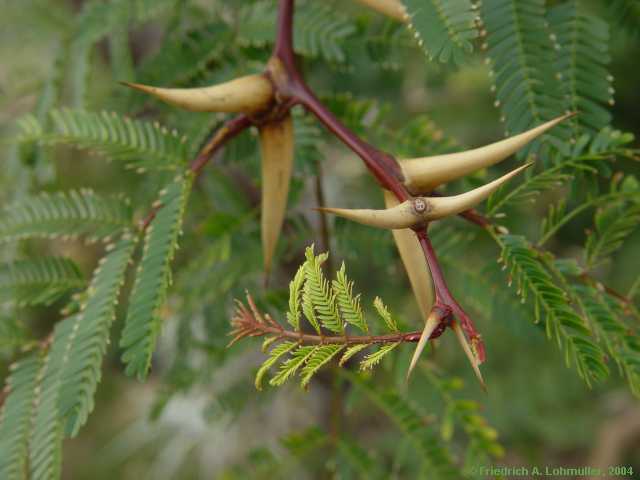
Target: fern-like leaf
[(40, 281), (351, 351), (65, 215), (45, 444), (143, 321), (274, 355), (348, 303), (551, 301), (384, 313), (139, 143), (613, 225), (92, 335), (295, 289), (320, 357), (289, 368), (522, 57), (445, 29), (583, 57), (16, 416), (318, 291), (374, 358)]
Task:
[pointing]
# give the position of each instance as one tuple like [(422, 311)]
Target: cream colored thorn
[(441, 207), (475, 364), (423, 209), (390, 8), (400, 216), (248, 94), (429, 327), (425, 174)]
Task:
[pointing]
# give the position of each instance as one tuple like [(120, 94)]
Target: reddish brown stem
[(445, 299)]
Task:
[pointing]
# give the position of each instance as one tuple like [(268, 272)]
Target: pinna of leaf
[(265, 100)]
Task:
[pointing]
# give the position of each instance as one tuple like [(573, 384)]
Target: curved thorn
[(390, 8), (440, 207), (400, 216), (423, 209), (414, 263), (248, 94), (475, 364), (431, 324), (425, 174)]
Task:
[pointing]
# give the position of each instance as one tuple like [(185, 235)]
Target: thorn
[(431, 324), (475, 364)]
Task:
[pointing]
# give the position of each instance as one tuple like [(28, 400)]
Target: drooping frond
[(16, 416), (45, 444), (445, 29), (274, 355), (40, 281), (583, 57), (551, 305), (522, 58), (619, 338), (153, 278), (91, 335), (66, 215), (139, 143)]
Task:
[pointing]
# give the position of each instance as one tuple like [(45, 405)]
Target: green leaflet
[(582, 60), (614, 223), (374, 358), (153, 277), (445, 29), (45, 445), (351, 351), (522, 58), (383, 311), (274, 355), (295, 287), (349, 305), (320, 357), (298, 358), (139, 143), (318, 292), (91, 335), (66, 215), (551, 303), (16, 416), (39, 281)]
